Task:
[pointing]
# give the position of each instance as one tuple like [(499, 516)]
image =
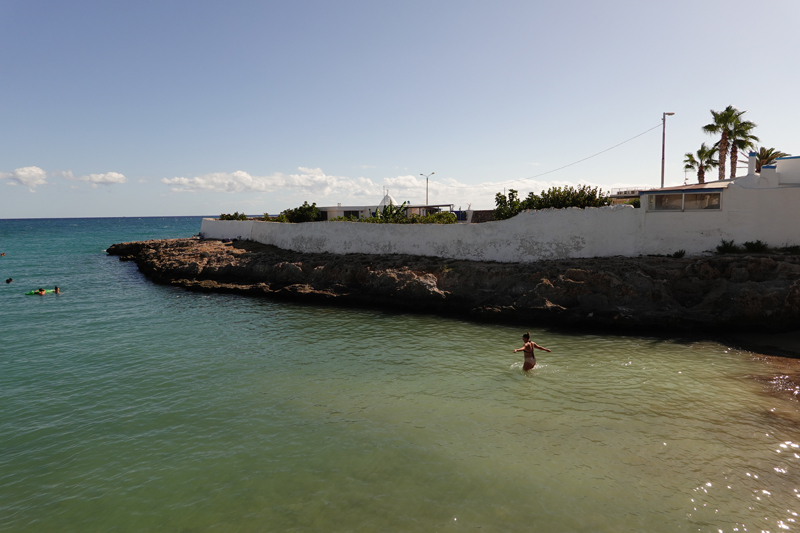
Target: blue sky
[(192, 108)]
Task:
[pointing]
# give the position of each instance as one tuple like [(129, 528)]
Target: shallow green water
[(128, 406)]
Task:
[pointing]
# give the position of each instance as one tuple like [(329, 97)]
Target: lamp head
[(669, 113)]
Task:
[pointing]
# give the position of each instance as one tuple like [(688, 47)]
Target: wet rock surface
[(721, 294)]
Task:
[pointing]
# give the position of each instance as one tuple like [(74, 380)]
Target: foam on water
[(132, 406)]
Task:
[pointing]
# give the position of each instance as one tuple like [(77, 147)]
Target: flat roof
[(713, 186)]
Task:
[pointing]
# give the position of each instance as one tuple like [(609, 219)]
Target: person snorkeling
[(527, 349)]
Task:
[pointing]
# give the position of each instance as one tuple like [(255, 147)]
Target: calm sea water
[(128, 406)]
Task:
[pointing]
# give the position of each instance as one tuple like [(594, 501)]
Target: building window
[(683, 202), (664, 202), (701, 201), (348, 214)]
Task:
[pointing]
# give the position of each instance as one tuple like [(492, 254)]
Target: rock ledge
[(719, 294)]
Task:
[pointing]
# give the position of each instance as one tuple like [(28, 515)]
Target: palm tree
[(740, 139), (767, 156), (701, 162), (722, 124), (729, 125)]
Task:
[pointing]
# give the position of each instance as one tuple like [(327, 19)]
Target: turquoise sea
[(128, 406)]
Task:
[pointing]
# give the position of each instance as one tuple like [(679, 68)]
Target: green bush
[(392, 214), (555, 197), (635, 202), (442, 217), (304, 213), (235, 216), (793, 250), (756, 247), (507, 206), (279, 218), (560, 198), (396, 215), (728, 247)]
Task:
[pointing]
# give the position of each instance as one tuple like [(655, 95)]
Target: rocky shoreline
[(752, 302), (708, 295)]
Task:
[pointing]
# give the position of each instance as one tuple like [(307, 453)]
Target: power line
[(575, 162), (598, 153)]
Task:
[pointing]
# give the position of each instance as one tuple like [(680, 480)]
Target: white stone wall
[(769, 214), (212, 228), (749, 212), (530, 236)]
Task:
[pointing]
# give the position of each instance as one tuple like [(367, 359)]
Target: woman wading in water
[(528, 348)]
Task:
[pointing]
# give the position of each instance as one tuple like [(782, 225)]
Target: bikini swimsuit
[(529, 357)]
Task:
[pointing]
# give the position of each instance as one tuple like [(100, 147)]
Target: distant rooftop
[(723, 184)]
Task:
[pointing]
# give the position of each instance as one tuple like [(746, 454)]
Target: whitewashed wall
[(768, 214), (771, 215), (530, 236)]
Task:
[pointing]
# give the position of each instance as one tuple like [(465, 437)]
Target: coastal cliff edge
[(713, 294)]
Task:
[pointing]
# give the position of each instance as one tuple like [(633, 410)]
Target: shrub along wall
[(747, 215)]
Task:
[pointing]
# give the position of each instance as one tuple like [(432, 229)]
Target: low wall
[(770, 215), (530, 236), (481, 216)]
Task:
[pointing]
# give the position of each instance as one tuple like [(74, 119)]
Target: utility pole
[(663, 142), (426, 185)]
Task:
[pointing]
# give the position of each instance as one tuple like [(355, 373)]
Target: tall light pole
[(426, 185), (663, 142)]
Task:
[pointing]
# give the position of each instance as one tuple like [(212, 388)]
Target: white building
[(758, 206), (365, 211), (694, 219)]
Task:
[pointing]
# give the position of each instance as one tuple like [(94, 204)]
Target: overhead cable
[(571, 164)]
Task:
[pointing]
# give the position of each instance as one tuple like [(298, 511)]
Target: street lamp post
[(426, 185), (663, 142)]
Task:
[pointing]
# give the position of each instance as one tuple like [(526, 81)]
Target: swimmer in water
[(40, 292), (528, 348), (57, 291)]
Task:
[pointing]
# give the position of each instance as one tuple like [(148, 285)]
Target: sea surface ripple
[(129, 406)]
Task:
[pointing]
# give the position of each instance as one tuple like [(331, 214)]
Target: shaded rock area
[(715, 294)]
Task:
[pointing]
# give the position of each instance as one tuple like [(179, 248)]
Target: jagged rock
[(719, 293)]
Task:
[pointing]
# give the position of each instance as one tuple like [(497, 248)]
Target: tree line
[(735, 135), (507, 206)]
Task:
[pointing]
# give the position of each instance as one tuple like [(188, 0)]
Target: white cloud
[(314, 185), (30, 177), (109, 178), (451, 191), (307, 179)]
